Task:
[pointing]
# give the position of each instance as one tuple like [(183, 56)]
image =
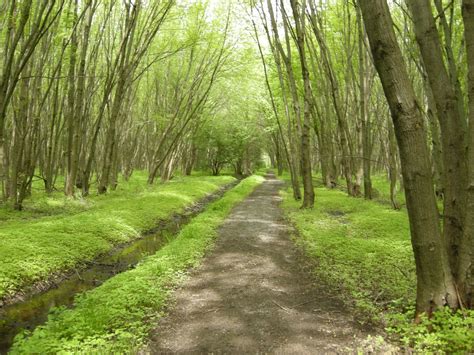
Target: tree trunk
[(364, 118), (289, 150), (435, 286), (392, 165), (308, 190), (466, 275), (436, 149), (347, 155), (70, 110), (452, 127)]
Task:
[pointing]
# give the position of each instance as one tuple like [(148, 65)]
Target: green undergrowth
[(117, 316), (444, 332), (362, 250), (34, 249), (361, 246)]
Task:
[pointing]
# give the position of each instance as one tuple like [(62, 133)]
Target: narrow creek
[(33, 311)]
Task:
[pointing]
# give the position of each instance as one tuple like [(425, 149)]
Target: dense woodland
[(331, 92)]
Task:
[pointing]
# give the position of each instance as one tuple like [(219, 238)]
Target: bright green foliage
[(33, 251), (233, 136), (361, 246), (117, 316), (231, 141), (444, 331), (363, 249)]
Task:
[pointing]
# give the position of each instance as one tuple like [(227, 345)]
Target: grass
[(117, 316), (56, 234), (362, 250)]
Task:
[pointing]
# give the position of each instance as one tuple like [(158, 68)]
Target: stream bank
[(34, 309), (117, 316)]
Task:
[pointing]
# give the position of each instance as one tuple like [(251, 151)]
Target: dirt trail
[(251, 295)]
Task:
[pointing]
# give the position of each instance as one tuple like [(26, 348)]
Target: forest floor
[(254, 293)]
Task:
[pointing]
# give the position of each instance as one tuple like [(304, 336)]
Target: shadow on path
[(250, 295)]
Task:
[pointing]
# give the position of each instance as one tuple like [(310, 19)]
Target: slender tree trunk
[(191, 160), (71, 102), (308, 190), (288, 148), (364, 118), (436, 150), (392, 165), (278, 155), (451, 61), (78, 125), (279, 54), (51, 145), (111, 137)]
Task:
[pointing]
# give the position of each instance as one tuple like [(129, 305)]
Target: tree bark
[(436, 149), (435, 286), (71, 109), (466, 275), (364, 117), (452, 127), (308, 190), (392, 165)]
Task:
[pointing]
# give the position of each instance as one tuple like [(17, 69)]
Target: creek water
[(33, 311)]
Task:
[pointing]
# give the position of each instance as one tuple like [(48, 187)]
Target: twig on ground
[(303, 303), (284, 308), (78, 275)]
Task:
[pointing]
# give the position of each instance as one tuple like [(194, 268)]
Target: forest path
[(252, 295)]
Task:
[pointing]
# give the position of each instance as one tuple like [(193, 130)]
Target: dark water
[(34, 311)]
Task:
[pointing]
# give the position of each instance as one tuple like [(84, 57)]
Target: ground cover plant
[(362, 249), (45, 245), (116, 316)]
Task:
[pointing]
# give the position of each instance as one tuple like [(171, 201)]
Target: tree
[(300, 26), (466, 270), (21, 39), (452, 123), (278, 53), (435, 284)]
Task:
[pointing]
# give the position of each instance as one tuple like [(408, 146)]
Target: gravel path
[(251, 294)]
